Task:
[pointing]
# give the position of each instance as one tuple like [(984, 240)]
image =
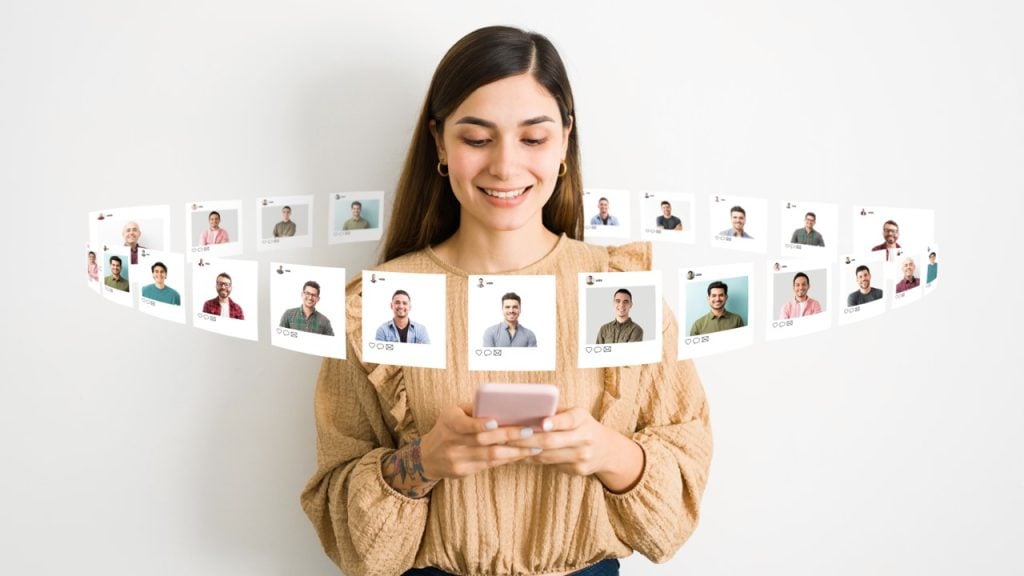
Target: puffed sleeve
[(657, 515), (365, 526)]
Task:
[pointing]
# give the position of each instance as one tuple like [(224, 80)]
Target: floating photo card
[(161, 278), (799, 298), (715, 312), (225, 297), (861, 287), (355, 217), (512, 323), (404, 319), (738, 223), (132, 228), (307, 309), (620, 319), (607, 214), (809, 230), (213, 229), (931, 275), (284, 222), (667, 217), (905, 278), (117, 281), (93, 268), (892, 230)]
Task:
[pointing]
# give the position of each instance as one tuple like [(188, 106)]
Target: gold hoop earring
[(563, 169), (444, 174)]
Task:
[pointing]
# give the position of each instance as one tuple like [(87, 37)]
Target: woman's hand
[(575, 443), (457, 446)]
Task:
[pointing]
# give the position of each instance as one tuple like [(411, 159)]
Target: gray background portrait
[(600, 309), (782, 283), (272, 215), (201, 221), (833, 455), (680, 209), (151, 237)]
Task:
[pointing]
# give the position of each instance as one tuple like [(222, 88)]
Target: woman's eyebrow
[(488, 124)]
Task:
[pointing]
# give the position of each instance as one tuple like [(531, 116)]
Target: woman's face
[(503, 146)]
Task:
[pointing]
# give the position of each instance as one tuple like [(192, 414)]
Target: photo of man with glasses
[(305, 318)]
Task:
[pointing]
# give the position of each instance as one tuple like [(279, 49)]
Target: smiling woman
[(407, 481)]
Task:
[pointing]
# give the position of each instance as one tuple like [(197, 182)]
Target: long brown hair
[(425, 211)]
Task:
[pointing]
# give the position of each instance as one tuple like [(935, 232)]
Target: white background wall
[(134, 446)]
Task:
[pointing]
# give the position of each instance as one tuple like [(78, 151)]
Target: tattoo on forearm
[(403, 471)]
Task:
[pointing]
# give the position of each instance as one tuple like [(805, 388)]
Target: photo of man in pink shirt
[(214, 234), (801, 304)]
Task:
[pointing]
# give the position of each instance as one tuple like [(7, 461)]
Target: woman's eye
[(474, 143), (534, 141)]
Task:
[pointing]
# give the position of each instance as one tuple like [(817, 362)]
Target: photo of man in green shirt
[(622, 328), (807, 235), (718, 319), (115, 280)]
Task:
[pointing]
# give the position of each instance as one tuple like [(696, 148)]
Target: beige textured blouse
[(522, 518)]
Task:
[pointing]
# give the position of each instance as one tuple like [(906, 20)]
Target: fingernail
[(534, 451), (525, 432), (547, 426), (491, 425)]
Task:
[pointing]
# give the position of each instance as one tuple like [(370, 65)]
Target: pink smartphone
[(516, 404)]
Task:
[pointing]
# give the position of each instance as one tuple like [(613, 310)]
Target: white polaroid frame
[(720, 219), (428, 298), (175, 265), (97, 284), (106, 227), (895, 274), (693, 283), (244, 292), (649, 317), (286, 285), (538, 314), (231, 215), (619, 207), (780, 283), (916, 229), (929, 287), (302, 212), (683, 207), (826, 223), (340, 210), (118, 296), (875, 261)]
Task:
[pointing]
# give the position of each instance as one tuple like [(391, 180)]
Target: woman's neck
[(479, 251)]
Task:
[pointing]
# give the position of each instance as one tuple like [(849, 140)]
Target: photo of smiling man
[(622, 328), (509, 333)]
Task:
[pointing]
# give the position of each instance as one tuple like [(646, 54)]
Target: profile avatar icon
[(590, 280), (480, 283), (280, 269), (689, 274)]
